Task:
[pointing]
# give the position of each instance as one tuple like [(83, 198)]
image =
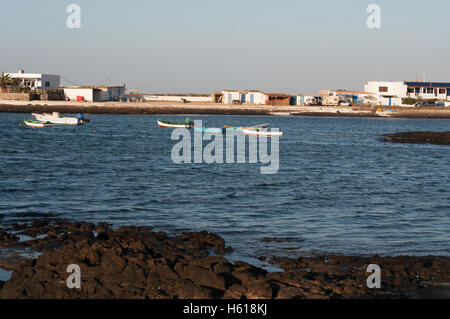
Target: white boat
[(187, 124), (56, 118), (32, 123), (386, 112), (262, 132)]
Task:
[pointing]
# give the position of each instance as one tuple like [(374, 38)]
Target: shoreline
[(137, 262), (175, 108)]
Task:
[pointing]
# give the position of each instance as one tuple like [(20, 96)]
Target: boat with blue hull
[(209, 130)]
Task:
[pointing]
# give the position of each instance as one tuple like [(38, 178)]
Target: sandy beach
[(211, 108)]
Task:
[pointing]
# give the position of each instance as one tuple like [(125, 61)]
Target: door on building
[(293, 100), (252, 98), (390, 101), (243, 98)]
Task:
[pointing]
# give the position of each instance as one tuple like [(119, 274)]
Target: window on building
[(430, 90), (47, 84), (383, 89), (441, 91), (417, 90), (410, 90)]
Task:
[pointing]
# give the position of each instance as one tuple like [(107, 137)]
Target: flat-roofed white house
[(230, 96), (36, 81), (392, 92), (94, 93), (253, 97), (428, 90), (387, 89)]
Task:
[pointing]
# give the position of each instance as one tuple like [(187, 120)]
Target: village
[(23, 86)]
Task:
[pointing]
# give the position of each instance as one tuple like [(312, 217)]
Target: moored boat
[(386, 112), (241, 128), (260, 132), (33, 123), (56, 118), (187, 124), (209, 129)]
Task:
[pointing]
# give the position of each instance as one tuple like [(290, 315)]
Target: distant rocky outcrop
[(438, 138)]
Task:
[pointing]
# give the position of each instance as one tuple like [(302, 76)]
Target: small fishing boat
[(186, 124), (209, 129), (33, 123), (241, 128), (260, 132), (386, 112), (56, 118)]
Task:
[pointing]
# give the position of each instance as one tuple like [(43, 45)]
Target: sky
[(201, 46)]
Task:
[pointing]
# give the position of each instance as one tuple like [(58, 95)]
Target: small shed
[(231, 96), (253, 97)]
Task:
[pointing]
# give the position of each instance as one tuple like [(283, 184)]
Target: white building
[(95, 93), (387, 89), (428, 90), (253, 97), (229, 96), (392, 93), (36, 81)]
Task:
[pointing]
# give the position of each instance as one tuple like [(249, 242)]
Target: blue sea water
[(339, 188)]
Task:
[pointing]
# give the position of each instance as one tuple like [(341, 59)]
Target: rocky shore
[(437, 138), (133, 262)]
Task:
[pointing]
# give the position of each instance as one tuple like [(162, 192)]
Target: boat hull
[(57, 120), (209, 130), (31, 123), (241, 128), (173, 125), (262, 133)]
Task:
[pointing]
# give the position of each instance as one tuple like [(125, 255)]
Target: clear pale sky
[(181, 46)]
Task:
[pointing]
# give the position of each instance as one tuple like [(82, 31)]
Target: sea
[(339, 188)]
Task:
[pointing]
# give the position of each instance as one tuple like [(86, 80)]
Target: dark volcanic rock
[(438, 138), (7, 238), (133, 262)]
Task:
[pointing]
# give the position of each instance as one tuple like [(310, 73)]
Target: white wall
[(72, 94), (258, 98), (53, 79), (394, 101), (398, 89), (177, 98), (39, 79), (230, 96), (429, 96)]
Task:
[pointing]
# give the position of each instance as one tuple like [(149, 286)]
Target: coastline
[(174, 108), (137, 262)]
